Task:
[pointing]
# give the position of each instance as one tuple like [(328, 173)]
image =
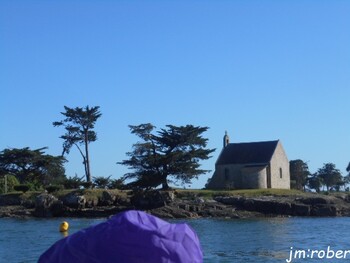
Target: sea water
[(222, 240)]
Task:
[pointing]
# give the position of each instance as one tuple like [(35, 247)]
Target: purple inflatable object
[(129, 237)]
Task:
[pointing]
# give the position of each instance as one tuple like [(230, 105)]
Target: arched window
[(281, 173)]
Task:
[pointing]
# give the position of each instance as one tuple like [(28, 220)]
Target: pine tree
[(79, 124), (172, 153)]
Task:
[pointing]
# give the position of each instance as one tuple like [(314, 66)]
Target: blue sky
[(262, 70)]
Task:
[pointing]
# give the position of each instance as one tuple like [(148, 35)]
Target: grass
[(207, 194), (90, 194), (30, 195)]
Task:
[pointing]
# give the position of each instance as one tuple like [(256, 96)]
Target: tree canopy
[(299, 173), (79, 124), (330, 176), (32, 166), (172, 153), (314, 182)]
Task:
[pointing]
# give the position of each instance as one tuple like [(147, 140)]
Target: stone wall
[(238, 176), (254, 177), (226, 177), (280, 168)]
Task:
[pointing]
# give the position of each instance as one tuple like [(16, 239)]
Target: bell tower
[(226, 139)]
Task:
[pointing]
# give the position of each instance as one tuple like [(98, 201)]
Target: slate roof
[(247, 153)]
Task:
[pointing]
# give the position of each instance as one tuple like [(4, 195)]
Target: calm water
[(253, 240)]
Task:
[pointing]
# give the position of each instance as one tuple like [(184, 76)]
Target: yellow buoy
[(64, 226)]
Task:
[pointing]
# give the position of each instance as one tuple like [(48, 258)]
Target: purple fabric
[(129, 237)]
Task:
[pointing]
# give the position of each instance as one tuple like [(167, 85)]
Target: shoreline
[(168, 204)]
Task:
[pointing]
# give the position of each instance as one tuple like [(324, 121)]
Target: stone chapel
[(251, 165)]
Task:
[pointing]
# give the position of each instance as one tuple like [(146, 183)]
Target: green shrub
[(21, 187), (11, 182), (34, 185)]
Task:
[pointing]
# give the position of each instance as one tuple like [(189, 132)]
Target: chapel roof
[(247, 153)]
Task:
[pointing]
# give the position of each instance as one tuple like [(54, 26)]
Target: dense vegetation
[(327, 178), (31, 167)]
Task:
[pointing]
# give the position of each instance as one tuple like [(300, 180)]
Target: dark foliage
[(21, 187), (101, 182), (299, 173), (73, 182), (172, 153), (87, 185), (330, 176), (116, 184), (32, 166)]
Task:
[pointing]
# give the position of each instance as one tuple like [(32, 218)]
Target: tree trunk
[(165, 185), (87, 161)]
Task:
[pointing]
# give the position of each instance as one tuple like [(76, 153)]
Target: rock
[(10, 200), (343, 196), (172, 212), (301, 210), (74, 200), (184, 206), (249, 204), (271, 205), (45, 200), (268, 206), (324, 210), (46, 205), (28, 204), (15, 211), (166, 204), (314, 200), (91, 202), (200, 200), (106, 199), (148, 199), (124, 201), (168, 196), (283, 208), (231, 200), (58, 209)]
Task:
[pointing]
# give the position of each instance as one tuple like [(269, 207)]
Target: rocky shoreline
[(168, 204)]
